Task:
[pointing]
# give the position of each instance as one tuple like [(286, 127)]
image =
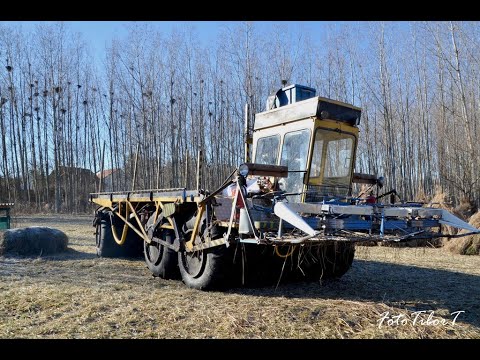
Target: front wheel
[(204, 269)]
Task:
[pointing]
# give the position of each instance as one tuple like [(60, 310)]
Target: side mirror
[(368, 179), (380, 181), (262, 170)]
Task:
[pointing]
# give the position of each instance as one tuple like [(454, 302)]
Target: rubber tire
[(107, 247), (214, 272), (167, 267)]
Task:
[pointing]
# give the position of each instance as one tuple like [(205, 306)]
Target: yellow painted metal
[(120, 241), (132, 227), (309, 159), (331, 125), (322, 168), (124, 231), (147, 199), (266, 225), (103, 202), (336, 125), (211, 243), (106, 202), (145, 236), (189, 244), (226, 224), (130, 209), (158, 205)]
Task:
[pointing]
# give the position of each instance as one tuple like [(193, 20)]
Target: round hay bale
[(467, 245), (442, 201), (34, 240), (466, 208), (436, 243)]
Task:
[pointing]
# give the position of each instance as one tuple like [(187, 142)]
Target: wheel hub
[(194, 263)]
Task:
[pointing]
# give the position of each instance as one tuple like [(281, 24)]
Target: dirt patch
[(77, 295)]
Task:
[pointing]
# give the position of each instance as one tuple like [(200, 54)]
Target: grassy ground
[(77, 295)]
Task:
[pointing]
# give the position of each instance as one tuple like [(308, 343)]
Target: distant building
[(110, 176), (73, 184), (69, 174)]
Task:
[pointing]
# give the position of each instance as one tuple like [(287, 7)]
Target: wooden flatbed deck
[(178, 195)]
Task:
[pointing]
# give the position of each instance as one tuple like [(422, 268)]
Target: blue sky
[(99, 33)]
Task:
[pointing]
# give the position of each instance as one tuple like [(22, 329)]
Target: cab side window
[(267, 150)]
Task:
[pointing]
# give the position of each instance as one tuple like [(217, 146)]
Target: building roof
[(68, 170), (106, 173)]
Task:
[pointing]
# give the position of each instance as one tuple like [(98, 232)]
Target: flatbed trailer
[(135, 207)]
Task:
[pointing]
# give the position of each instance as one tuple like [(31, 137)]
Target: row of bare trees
[(65, 117)]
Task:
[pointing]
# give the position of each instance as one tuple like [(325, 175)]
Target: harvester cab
[(315, 137), (314, 140)]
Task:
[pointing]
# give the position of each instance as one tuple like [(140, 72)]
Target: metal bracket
[(175, 246)]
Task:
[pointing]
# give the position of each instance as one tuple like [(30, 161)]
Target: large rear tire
[(105, 243), (204, 269), (161, 260)]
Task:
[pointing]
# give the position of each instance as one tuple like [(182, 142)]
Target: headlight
[(243, 170)]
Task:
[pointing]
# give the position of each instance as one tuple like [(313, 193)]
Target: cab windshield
[(294, 155), (332, 158)]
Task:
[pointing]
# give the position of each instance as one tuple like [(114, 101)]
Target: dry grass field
[(77, 295)]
